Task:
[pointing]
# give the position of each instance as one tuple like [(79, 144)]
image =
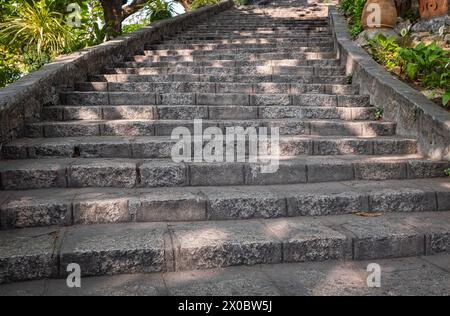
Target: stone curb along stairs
[(92, 182), (415, 115)]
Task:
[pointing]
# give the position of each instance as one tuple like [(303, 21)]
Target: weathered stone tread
[(153, 247), (45, 207)]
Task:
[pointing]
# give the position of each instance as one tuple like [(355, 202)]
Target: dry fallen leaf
[(367, 214)]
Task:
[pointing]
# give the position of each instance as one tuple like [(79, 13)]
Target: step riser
[(74, 113), (232, 63), (144, 148), (212, 46), (168, 174), (237, 51), (302, 41), (226, 29), (202, 87), (205, 205), (184, 78), (214, 34), (211, 99), (165, 128), (243, 57), (267, 35), (217, 71), (256, 20), (260, 23)]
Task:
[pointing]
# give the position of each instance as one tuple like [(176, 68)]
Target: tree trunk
[(113, 16)]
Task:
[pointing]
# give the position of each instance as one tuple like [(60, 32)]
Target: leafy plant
[(10, 70), (34, 27), (426, 62), (130, 28), (8, 73), (446, 99), (353, 10), (385, 50), (447, 172), (241, 2), (379, 112), (430, 65), (93, 30), (196, 4), (160, 10)]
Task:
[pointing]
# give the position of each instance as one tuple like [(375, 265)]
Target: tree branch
[(132, 8)]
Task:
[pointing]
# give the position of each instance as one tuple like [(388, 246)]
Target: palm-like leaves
[(36, 27), (160, 10)]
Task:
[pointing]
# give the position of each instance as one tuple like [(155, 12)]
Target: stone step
[(232, 28), (236, 51), (418, 276), (190, 112), (247, 33), (211, 99), (218, 87), (243, 35), (262, 26), (198, 41), (231, 71), (252, 17), (135, 173), (218, 46), (257, 20), (240, 57), (232, 63), (47, 207), (185, 78), (156, 247), (166, 127), (160, 147)]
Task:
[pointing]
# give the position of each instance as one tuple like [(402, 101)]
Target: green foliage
[(196, 4), (160, 10), (353, 10), (130, 28), (349, 79), (93, 30), (9, 70), (33, 33), (241, 2), (385, 50), (447, 172), (412, 15), (35, 27), (446, 99), (379, 112), (428, 65), (155, 10)]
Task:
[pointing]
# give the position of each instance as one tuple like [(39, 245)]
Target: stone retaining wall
[(415, 115), (22, 101)]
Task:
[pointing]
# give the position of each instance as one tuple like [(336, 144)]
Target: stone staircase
[(94, 183)]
